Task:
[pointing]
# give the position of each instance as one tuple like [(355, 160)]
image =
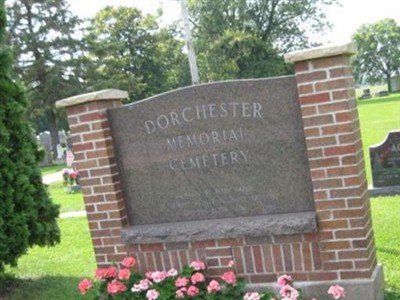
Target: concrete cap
[(109, 94), (320, 52)]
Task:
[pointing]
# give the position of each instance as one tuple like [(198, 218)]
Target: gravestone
[(212, 152), (45, 143), (62, 137), (385, 161)]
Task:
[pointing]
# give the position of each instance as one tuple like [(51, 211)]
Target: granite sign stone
[(385, 161), (215, 151)]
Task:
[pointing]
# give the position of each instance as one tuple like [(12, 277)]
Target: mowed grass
[(378, 116), (53, 273), (67, 201), (51, 169), (386, 222)]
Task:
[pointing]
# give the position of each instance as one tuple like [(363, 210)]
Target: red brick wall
[(342, 249)]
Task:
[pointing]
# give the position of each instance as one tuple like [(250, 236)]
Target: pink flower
[(181, 281), (229, 277), (336, 291), (149, 274), (114, 287), (197, 277), (181, 293), (252, 296), (172, 272), (124, 274), (288, 292), (152, 294), (85, 285), (198, 265), (231, 263), (213, 286), (73, 174), (284, 280), (192, 290), (158, 276), (129, 262), (143, 285), (103, 273)]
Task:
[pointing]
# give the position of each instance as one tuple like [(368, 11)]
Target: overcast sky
[(345, 19)]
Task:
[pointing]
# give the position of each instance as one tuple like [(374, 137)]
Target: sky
[(345, 19)]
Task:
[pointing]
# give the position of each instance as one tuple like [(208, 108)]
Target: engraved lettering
[(212, 108), (171, 143), (160, 121), (246, 110), (150, 126), (257, 110), (224, 112), (184, 115), (174, 118), (203, 112)]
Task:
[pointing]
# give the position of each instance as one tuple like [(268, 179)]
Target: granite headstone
[(45, 143), (213, 151), (385, 161)]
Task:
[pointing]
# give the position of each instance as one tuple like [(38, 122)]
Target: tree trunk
[(52, 122), (389, 83)]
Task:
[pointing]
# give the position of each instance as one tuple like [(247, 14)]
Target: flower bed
[(71, 180), (190, 283)]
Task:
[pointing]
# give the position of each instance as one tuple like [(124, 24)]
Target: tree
[(258, 29), (378, 56), (27, 215), (47, 55), (129, 51)]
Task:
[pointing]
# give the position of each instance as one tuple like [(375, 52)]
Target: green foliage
[(378, 56), (27, 215), (43, 35), (127, 50), (245, 39)]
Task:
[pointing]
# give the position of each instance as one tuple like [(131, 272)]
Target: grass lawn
[(52, 169), (53, 273), (386, 223), (378, 116), (67, 201)]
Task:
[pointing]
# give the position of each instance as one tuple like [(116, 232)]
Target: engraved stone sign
[(213, 151), (385, 161)]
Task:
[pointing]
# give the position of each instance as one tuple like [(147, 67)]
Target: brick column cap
[(320, 52), (109, 94)]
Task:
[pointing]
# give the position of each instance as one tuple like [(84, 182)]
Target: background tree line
[(59, 55)]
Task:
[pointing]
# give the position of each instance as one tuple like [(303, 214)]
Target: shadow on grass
[(392, 294), (49, 288), (392, 98), (389, 251)]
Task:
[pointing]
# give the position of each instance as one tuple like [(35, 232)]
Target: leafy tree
[(378, 56), (129, 51), (241, 34), (27, 215), (43, 38)]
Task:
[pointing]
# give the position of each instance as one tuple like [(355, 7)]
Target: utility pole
[(189, 44)]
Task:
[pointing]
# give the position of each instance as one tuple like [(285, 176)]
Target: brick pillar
[(94, 158), (332, 130)]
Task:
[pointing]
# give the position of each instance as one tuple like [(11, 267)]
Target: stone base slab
[(383, 191), (355, 289), (292, 223)]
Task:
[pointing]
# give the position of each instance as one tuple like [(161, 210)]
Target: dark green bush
[(27, 215)]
